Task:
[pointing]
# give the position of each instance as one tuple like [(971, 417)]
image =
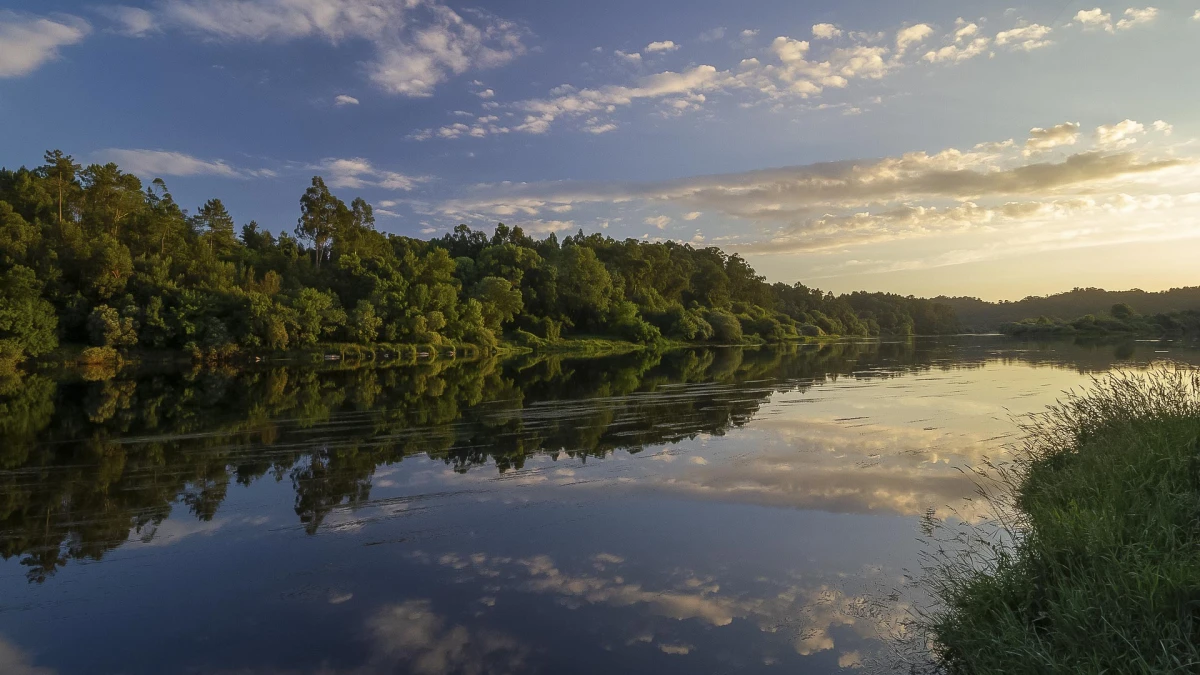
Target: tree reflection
[(90, 460)]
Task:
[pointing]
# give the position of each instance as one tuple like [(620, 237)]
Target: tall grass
[(1096, 565)]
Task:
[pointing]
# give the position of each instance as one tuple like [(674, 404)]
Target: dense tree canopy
[(90, 255)]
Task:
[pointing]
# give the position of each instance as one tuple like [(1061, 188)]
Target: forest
[(92, 256)]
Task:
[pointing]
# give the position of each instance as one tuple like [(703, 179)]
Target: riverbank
[(1105, 568), (68, 356)]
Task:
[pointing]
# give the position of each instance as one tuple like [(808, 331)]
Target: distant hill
[(978, 315)]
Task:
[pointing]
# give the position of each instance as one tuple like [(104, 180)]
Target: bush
[(107, 328), (726, 327)]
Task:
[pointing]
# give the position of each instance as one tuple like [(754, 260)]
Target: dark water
[(703, 511)]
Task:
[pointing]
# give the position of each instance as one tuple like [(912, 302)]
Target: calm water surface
[(705, 511)]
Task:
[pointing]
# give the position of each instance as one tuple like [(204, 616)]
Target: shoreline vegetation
[(1098, 561), (93, 257), (1120, 320)]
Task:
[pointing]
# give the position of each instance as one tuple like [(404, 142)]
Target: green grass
[(1097, 569)]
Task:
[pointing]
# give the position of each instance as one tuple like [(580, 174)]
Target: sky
[(918, 147)]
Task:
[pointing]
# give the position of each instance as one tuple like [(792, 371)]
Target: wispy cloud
[(27, 41), (158, 163), (130, 21), (357, 173), (417, 44)]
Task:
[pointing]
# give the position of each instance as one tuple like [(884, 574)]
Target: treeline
[(981, 316), (92, 256), (1120, 320)]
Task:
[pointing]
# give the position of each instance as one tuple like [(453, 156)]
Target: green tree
[(61, 171), (320, 215), (27, 321), (501, 302), (215, 227)]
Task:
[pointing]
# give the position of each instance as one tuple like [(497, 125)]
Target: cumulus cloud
[(1162, 127), (345, 99), (27, 41), (912, 35), (1098, 19), (1119, 135), (664, 46), (692, 215), (358, 173), (417, 44), (660, 222), (629, 57), (1095, 19), (158, 163), (826, 31), (1041, 140), (966, 44), (1024, 38), (958, 52), (1134, 17), (130, 21)]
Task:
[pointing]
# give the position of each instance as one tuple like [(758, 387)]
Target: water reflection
[(753, 509)]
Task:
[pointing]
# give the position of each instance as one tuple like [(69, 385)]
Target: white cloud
[(1024, 38), (1042, 140), (749, 33), (571, 102), (826, 31), (157, 163), (631, 57), (1095, 19), (912, 35), (661, 222), (958, 52), (1119, 135), (345, 99), (664, 46), (358, 173), (965, 30), (1196, 16), (1162, 127), (27, 41), (417, 44), (1098, 19), (712, 35), (676, 649), (131, 21), (692, 215), (1134, 17)]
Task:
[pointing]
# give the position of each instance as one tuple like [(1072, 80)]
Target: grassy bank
[(1103, 572)]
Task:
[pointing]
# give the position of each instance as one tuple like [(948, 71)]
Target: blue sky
[(927, 147)]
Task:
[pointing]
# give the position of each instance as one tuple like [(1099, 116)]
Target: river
[(695, 511)]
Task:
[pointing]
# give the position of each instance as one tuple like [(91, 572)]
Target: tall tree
[(61, 170), (215, 226), (319, 215)]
